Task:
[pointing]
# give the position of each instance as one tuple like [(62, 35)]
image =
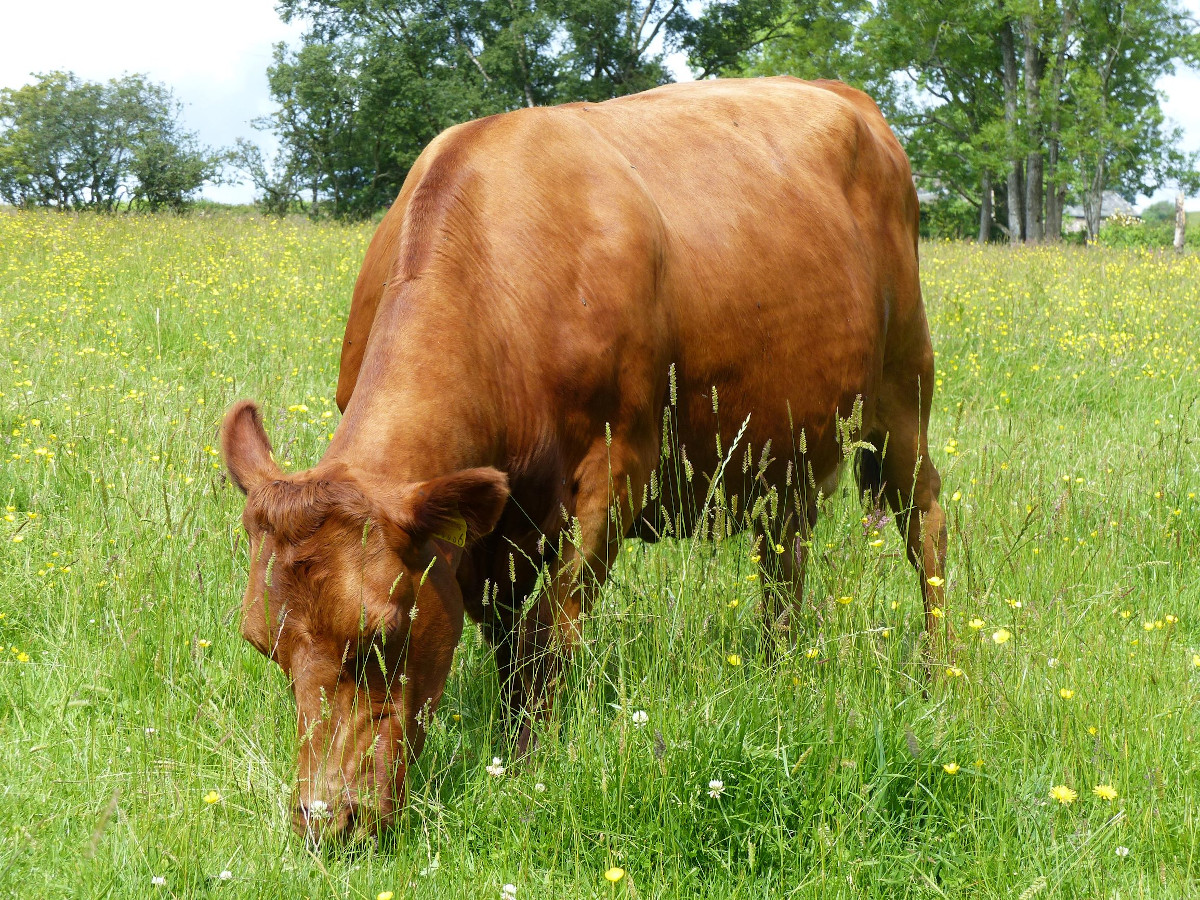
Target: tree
[(952, 113), (373, 81), (1117, 137), (1159, 213), (77, 144)]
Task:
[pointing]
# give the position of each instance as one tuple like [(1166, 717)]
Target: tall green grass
[(1065, 426)]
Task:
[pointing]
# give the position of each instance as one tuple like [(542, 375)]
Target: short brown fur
[(512, 330)]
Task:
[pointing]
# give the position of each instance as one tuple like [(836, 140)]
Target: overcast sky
[(214, 55)]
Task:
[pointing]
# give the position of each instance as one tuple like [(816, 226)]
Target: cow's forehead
[(335, 587)]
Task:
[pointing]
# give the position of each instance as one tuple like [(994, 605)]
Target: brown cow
[(547, 281)]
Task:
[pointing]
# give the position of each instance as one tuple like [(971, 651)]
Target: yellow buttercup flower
[(1066, 693), (935, 581), (845, 600), (976, 624), (615, 874), (212, 797), (1063, 794), (951, 768), (733, 659), (1001, 635)]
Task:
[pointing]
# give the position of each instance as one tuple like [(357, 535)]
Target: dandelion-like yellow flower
[(951, 768), (1066, 693), (1105, 792), (975, 624), (1063, 794), (1147, 626), (212, 797), (615, 874), (733, 659), (1001, 635)]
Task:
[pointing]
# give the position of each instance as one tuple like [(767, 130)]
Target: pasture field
[(146, 750)]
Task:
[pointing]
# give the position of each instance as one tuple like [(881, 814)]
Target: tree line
[(75, 144), (1009, 109)]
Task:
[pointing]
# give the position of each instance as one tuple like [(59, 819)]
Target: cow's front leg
[(551, 630)]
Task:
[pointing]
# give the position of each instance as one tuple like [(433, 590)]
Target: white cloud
[(213, 55)]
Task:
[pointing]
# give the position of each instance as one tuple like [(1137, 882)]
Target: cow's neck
[(424, 404)]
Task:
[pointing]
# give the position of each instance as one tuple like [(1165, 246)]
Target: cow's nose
[(312, 818), (316, 819)]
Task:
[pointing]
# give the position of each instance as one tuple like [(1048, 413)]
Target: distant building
[(1111, 204)]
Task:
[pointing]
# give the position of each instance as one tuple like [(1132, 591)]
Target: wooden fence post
[(1180, 222)]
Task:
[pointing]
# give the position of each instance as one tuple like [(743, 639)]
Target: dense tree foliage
[(1020, 106), (373, 81), (1013, 108), (78, 144)]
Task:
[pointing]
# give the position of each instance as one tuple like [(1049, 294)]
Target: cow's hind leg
[(911, 484)]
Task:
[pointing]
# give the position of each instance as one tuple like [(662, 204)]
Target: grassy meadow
[(147, 751)]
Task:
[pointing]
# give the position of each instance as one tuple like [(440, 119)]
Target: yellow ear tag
[(453, 531)]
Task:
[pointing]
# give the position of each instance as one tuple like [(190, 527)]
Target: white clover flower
[(158, 881), (508, 892), (540, 788), (225, 875), (1122, 851), (716, 788), (639, 718), (318, 809), (495, 769)]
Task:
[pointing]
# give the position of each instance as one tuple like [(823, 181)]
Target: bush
[(949, 218), (1129, 231)]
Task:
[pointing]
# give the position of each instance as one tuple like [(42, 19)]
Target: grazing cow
[(548, 282)]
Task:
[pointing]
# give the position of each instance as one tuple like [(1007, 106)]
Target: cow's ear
[(459, 508), (245, 447)]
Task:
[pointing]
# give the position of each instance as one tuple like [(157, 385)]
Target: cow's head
[(353, 593)]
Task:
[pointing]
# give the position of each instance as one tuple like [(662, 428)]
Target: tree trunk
[(1016, 211), (1055, 189), (1093, 200), (1180, 223), (985, 209), (1055, 195), (1034, 183)]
